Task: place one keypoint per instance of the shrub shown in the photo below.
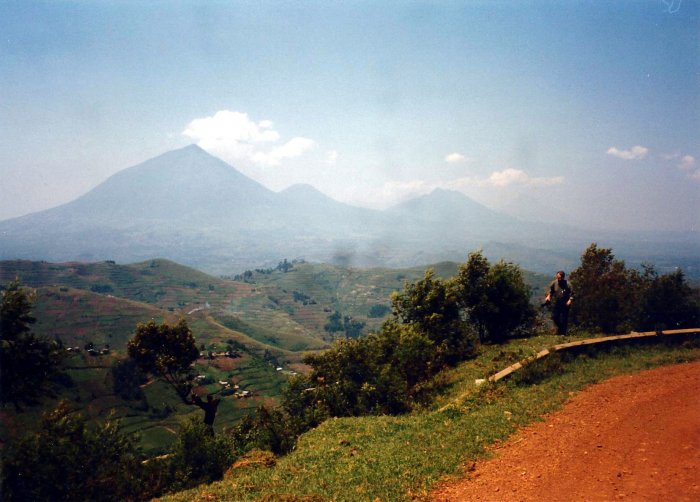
(610, 298)
(378, 310)
(69, 460)
(198, 457)
(127, 379)
(606, 293)
(495, 299)
(668, 303)
(430, 306)
(29, 364)
(267, 430)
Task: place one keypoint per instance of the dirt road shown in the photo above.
(634, 437)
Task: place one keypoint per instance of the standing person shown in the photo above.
(560, 296)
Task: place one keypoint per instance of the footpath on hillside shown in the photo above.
(633, 437)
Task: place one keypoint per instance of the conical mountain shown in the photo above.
(449, 216)
(183, 186)
(193, 208)
(447, 205)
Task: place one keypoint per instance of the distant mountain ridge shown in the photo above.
(191, 207)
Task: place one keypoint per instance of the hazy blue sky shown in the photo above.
(585, 112)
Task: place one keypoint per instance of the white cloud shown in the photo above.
(228, 126)
(397, 191)
(687, 163)
(512, 176)
(637, 152)
(234, 136)
(508, 177)
(455, 158)
(332, 157)
(295, 147)
(394, 192)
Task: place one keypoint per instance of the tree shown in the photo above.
(28, 363)
(16, 312)
(607, 295)
(668, 303)
(266, 429)
(334, 323)
(198, 457)
(430, 306)
(127, 379)
(495, 299)
(66, 459)
(511, 312)
(168, 352)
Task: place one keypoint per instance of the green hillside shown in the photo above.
(283, 311)
(276, 315)
(405, 457)
(308, 293)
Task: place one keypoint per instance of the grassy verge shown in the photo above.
(401, 458)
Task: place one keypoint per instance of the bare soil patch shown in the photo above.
(633, 437)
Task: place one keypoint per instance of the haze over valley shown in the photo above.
(191, 207)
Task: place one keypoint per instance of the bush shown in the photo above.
(610, 298)
(127, 379)
(607, 295)
(198, 457)
(495, 299)
(430, 306)
(267, 430)
(29, 364)
(378, 310)
(668, 303)
(69, 460)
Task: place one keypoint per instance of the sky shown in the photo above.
(579, 112)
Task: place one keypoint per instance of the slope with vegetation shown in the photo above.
(386, 415)
(404, 457)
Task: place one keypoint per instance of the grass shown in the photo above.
(402, 458)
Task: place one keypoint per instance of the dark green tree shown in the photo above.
(668, 302)
(430, 306)
(335, 323)
(67, 459)
(127, 379)
(495, 299)
(607, 294)
(16, 311)
(266, 429)
(198, 457)
(168, 352)
(28, 363)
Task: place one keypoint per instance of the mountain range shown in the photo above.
(191, 207)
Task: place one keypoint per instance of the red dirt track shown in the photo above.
(633, 437)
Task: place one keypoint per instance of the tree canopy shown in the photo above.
(612, 298)
(494, 298)
(70, 459)
(28, 362)
(167, 352)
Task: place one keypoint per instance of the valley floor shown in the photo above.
(633, 437)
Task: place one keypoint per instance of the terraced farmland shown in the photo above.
(272, 318)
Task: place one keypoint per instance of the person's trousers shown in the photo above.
(560, 316)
